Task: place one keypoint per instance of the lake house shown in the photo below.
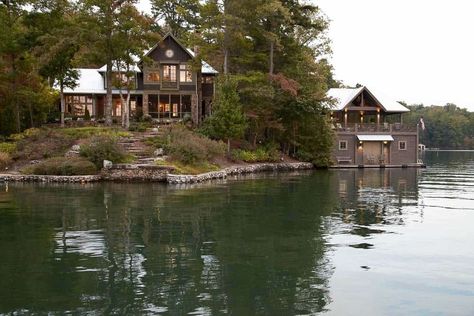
(165, 86)
(369, 130)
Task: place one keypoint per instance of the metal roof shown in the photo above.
(90, 81)
(375, 138)
(344, 96)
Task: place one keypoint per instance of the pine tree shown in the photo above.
(227, 120)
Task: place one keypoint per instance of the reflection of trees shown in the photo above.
(376, 196)
(251, 247)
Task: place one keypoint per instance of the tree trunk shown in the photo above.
(63, 105)
(272, 49)
(108, 104)
(228, 146)
(127, 111)
(226, 62)
(16, 105)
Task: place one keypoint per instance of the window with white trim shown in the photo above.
(185, 73)
(343, 145)
(402, 145)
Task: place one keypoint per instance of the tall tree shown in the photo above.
(180, 17)
(227, 120)
(24, 97)
(102, 17)
(133, 37)
(58, 43)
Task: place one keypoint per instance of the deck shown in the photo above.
(373, 128)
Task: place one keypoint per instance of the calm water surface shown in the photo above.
(347, 242)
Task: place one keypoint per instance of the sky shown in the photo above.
(417, 51)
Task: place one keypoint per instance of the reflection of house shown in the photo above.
(370, 130)
(165, 86)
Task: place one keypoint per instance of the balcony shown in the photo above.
(353, 128)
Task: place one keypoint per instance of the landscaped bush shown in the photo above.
(7, 148)
(4, 160)
(89, 131)
(41, 143)
(100, 148)
(188, 147)
(261, 154)
(62, 166)
(139, 127)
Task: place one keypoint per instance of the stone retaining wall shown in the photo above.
(151, 173)
(236, 170)
(57, 179)
(134, 173)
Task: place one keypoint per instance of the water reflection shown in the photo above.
(243, 247)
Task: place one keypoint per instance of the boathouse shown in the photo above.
(370, 131)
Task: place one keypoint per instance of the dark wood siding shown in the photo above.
(140, 81)
(158, 54)
(207, 89)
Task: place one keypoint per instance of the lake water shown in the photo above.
(341, 242)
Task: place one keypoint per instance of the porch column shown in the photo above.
(194, 109)
(345, 118)
(378, 116)
(145, 109)
(94, 105)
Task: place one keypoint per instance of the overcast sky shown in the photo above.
(418, 51)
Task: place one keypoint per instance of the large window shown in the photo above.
(185, 73)
(76, 105)
(120, 80)
(169, 73)
(153, 76)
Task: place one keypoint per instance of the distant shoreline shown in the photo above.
(458, 150)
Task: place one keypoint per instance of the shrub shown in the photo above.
(188, 147)
(85, 132)
(62, 166)
(40, 144)
(4, 160)
(261, 154)
(7, 148)
(100, 148)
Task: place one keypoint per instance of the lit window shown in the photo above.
(185, 73)
(343, 145)
(402, 145)
(207, 79)
(77, 105)
(175, 110)
(169, 73)
(153, 76)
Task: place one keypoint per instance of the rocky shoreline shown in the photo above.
(146, 173)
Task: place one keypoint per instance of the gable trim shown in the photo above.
(162, 40)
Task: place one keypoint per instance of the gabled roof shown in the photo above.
(344, 97)
(177, 42)
(90, 81)
(205, 68)
(114, 68)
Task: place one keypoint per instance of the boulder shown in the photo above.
(107, 164)
(159, 152)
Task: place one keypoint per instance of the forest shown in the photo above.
(271, 55)
(446, 127)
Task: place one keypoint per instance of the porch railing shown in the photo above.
(169, 116)
(374, 128)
